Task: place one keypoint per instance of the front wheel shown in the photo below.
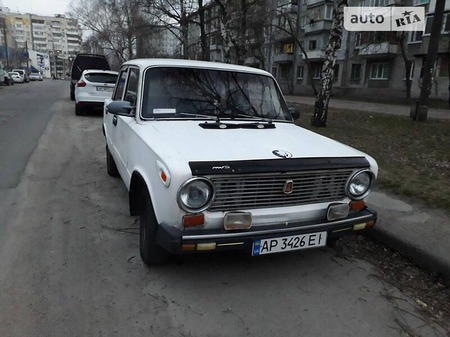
(151, 253)
(111, 167)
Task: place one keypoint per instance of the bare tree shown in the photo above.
(113, 23)
(290, 25)
(236, 19)
(319, 117)
(176, 16)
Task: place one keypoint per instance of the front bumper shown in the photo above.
(172, 239)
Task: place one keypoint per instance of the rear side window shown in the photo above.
(132, 87)
(101, 77)
(120, 86)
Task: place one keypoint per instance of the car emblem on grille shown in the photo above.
(282, 153)
(288, 187)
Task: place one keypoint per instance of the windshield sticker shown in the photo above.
(164, 111)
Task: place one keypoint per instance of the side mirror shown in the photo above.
(295, 113)
(121, 108)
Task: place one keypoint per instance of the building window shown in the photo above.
(411, 72)
(328, 12)
(379, 71)
(285, 69)
(288, 48)
(358, 40)
(336, 72)
(379, 3)
(312, 45)
(446, 23)
(420, 2)
(415, 36)
(300, 72)
(428, 24)
(444, 66)
(274, 72)
(356, 71)
(317, 71)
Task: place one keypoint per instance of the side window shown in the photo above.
(132, 87)
(120, 85)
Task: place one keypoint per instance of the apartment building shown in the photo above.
(56, 38)
(370, 64)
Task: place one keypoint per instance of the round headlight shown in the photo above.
(359, 184)
(195, 195)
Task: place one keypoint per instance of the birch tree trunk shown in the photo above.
(319, 118)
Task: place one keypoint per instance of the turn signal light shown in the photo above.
(357, 205)
(192, 220)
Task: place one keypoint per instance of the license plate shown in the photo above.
(105, 89)
(289, 243)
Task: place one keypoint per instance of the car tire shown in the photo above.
(151, 253)
(111, 167)
(78, 110)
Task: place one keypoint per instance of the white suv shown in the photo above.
(93, 88)
(213, 161)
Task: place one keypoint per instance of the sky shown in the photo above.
(39, 7)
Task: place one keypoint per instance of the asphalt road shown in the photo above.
(70, 266)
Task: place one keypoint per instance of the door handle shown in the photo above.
(115, 120)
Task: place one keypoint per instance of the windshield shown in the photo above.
(180, 92)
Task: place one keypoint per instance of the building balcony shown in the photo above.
(283, 58)
(315, 54)
(378, 49)
(312, 3)
(317, 26)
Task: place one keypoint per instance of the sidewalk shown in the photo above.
(413, 230)
(392, 109)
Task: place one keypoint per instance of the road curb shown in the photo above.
(420, 256)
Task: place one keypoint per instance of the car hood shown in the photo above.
(193, 143)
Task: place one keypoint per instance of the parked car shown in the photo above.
(35, 77)
(23, 74)
(213, 160)
(82, 62)
(93, 88)
(5, 79)
(16, 77)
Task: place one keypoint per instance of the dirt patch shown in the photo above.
(430, 291)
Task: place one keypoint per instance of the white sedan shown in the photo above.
(213, 160)
(93, 88)
(16, 77)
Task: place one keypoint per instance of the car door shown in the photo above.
(125, 125)
(110, 120)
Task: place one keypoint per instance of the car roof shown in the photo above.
(146, 63)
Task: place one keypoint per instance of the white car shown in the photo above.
(35, 77)
(93, 88)
(23, 74)
(16, 77)
(213, 161)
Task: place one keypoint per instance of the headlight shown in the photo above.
(359, 184)
(195, 195)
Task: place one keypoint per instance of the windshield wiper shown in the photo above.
(188, 114)
(259, 119)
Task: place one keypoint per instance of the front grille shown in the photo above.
(267, 190)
